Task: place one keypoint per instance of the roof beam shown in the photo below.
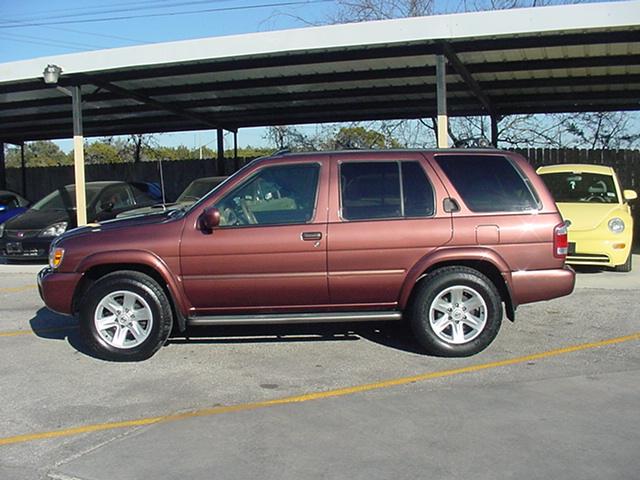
(632, 80)
(387, 108)
(122, 92)
(474, 86)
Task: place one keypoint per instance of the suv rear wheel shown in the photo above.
(125, 316)
(456, 312)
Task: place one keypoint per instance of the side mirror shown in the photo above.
(209, 219)
(630, 195)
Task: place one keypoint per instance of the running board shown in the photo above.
(288, 318)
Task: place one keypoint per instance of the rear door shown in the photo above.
(385, 215)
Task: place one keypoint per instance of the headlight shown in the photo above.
(54, 230)
(56, 255)
(616, 225)
(1, 229)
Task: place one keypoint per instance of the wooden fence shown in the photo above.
(179, 173)
(625, 162)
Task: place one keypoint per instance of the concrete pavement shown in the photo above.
(572, 414)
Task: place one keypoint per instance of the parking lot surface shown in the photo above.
(555, 396)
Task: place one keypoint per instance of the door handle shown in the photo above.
(311, 236)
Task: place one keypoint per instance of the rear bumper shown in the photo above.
(56, 289)
(536, 285)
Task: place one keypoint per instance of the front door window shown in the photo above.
(278, 195)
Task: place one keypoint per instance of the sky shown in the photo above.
(40, 28)
(37, 28)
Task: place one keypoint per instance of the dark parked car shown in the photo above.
(11, 205)
(29, 235)
(194, 191)
(445, 239)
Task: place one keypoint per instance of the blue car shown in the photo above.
(11, 205)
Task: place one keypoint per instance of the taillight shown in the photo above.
(561, 240)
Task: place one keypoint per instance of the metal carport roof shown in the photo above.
(536, 60)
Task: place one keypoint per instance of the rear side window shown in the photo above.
(488, 183)
(373, 190)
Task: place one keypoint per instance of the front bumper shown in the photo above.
(25, 249)
(586, 248)
(535, 285)
(57, 289)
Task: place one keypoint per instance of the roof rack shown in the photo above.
(284, 151)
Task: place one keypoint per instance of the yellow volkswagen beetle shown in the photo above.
(590, 197)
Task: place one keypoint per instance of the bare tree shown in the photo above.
(587, 130)
(285, 137)
(367, 10)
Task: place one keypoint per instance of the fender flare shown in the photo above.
(452, 255)
(149, 260)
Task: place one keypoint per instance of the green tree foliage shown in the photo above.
(41, 153)
(358, 137)
(334, 137)
(101, 152)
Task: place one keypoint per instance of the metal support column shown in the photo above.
(494, 130)
(235, 146)
(441, 93)
(23, 171)
(220, 153)
(3, 172)
(220, 144)
(78, 156)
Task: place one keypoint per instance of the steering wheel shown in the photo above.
(251, 218)
(229, 217)
(596, 198)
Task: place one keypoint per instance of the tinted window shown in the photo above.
(65, 198)
(371, 190)
(581, 187)
(8, 202)
(416, 191)
(488, 183)
(284, 194)
(142, 198)
(199, 188)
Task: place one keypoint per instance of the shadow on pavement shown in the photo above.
(48, 325)
(390, 334)
(51, 326)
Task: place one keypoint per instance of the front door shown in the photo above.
(269, 252)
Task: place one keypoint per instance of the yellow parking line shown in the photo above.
(311, 396)
(18, 333)
(17, 289)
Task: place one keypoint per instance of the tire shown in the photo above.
(626, 266)
(456, 312)
(125, 316)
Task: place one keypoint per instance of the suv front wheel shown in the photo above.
(125, 316)
(456, 312)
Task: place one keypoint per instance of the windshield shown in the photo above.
(198, 189)
(64, 198)
(570, 187)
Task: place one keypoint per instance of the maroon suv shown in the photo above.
(440, 238)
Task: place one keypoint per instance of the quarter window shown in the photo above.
(371, 190)
(278, 195)
(488, 183)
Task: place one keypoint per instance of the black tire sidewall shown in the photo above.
(139, 284)
(627, 266)
(430, 287)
